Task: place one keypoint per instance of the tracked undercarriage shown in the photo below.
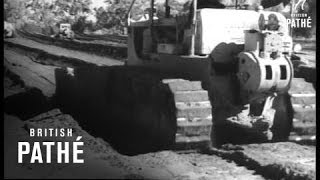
(193, 113)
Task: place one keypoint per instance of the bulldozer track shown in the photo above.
(193, 114)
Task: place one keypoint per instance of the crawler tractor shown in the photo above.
(195, 80)
(231, 71)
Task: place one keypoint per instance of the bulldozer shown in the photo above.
(232, 68)
(191, 81)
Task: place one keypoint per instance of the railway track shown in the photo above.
(91, 45)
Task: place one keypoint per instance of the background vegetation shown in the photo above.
(111, 18)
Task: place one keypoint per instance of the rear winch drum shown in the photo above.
(261, 75)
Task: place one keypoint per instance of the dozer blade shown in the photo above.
(193, 114)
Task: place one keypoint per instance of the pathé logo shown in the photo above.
(302, 2)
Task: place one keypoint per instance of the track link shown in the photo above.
(193, 114)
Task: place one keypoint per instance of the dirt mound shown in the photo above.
(56, 119)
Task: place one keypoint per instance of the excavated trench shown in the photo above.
(27, 104)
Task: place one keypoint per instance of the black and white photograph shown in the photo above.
(159, 89)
